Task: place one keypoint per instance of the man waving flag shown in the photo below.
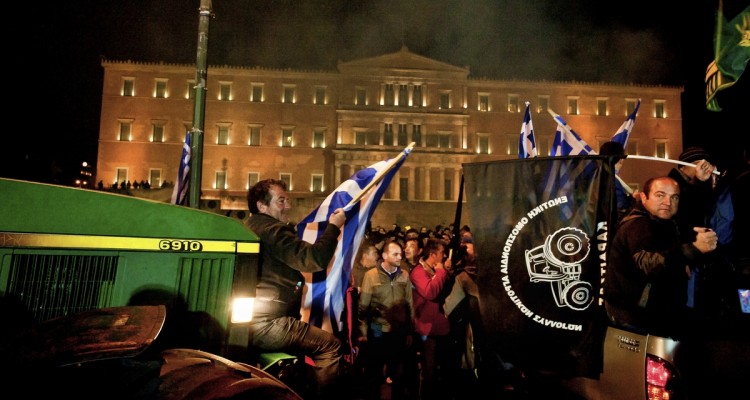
(324, 301)
(527, 142)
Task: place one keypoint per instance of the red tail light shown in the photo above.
(659, 375)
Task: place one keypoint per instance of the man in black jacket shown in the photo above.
(276, 324)
(649, 266)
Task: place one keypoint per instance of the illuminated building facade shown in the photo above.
(314, 129)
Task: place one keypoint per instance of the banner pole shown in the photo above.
(669, 161)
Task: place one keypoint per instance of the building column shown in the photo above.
(337, 175)
(441, 184)
(427, 184)
(456, 183)
(412, 185)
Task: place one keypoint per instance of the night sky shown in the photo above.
(58, 50)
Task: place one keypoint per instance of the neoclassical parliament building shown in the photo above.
(314, 129)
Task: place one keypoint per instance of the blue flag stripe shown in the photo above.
(179, 194)
(623, 133)
(327, 289)
(527, 142)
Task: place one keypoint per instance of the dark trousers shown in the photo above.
(440, 365)
(291, 335)
(385, 356)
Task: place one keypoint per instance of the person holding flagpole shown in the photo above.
(277, 324)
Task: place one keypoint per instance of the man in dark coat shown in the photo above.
(649, 266)
(276, 324)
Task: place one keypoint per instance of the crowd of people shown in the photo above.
(406, 283)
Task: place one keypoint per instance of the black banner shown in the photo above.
(541, 230)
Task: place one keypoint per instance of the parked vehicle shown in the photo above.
(541, 231)
(64, 250)
(111, 353)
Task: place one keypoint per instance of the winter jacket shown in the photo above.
(429, 320)
(646, 279)
(284, 257)
(385, 302)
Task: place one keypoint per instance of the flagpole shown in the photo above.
(624, 185)
(380, 176)
(669, 161)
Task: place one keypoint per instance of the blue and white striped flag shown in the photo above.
(567, 142)
(623, 134)
(324, 301)
(179, 194)
(527, 142)
(558, 179)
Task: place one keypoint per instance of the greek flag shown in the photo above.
(179, 195)
(324, 301)
(567, 142)
(623, 134)
(527, 143)
(559, 177)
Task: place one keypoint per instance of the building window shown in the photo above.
(126, 128)
(253, 137)
(448, 189)
(256, 93)
(632, 147)
(360, 96)
(403, 186)
(403, 95)
(288, 94)
(388, 134)
(154, 177)
(543, 104)
(416, 136)
(417, 96)
(319, 138)
(121, 175)
(160, 91)
(320, 95)
(601, 107)
(513, 103)
(388, 95)
(512, 144)
(660, 148)
(440, 140)
(252, 179)
(360, 137)
(573, 105)
(223, 135)
(659, 111)
(286, 178)
(445, 140)
(445, 100)
(157, 131)
(220, 180)
(225, 91)
(630, 106)
(316, 183)
(287, 137)
(128, 86)
(190, 90)
(483, 143)
(402, 130)
(484, 102)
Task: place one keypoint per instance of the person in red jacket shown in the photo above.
(430, 279)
